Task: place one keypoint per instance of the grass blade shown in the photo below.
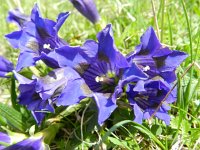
(12, 116)
(137, 126)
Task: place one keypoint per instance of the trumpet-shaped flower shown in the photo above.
(146, 96)
(154, 59)
(87, 8)
(105, 71)
(62, 86)
(37, 40)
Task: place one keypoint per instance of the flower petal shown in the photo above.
(5, 67)
(105, 106)
(61, 19)
(107, 50)
(28, 144)
(17, 17)
(13, 38)
(173, 60)
(26, 59)
(149, 41)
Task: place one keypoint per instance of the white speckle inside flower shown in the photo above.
(47, 46)
(146, 68)
(98, 79)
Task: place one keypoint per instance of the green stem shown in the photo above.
(155, 18)
(170, 30)
(189, 28)
(13, 94)
(162, 21)
(188, 89)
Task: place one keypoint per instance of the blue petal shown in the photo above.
(134, 74)
(105, 106)
(173, 60)
(5, 66)
(69, 56)
(35, 12)
(90, 48)
(61, 19)
(13, 38)
(139, 87)
(162, 52)
(149, 41)
(74, 56)
(138, 113)
(17, 17)
(4, 138)
(169, 76)
(107, 50)
(21, 79)
(28, 144)
(26, 59)
(50, 59)
(159, 114)
(74, 91)
(39, 109)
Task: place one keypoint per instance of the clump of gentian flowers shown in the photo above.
(96, 70)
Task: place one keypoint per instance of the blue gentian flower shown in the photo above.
(154, 59)
(105, 70)
(37, 40)
(5, 67)
(87, 8)
(145, 97)
(17, 17)
(31, 98)
(61, 86)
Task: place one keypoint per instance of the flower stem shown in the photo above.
(155, 18)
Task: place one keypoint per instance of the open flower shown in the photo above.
(5, 67)
(105, 71)
(154, 59)
(61, 86)
(31, 99)
(37, 40)
(17, 17)
(87, 8)
(146, 96)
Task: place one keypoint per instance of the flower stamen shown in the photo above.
(47, 46)
(146, 68)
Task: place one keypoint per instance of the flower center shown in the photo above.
(101, 77)
(104, 80)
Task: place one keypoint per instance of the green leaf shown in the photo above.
(141, 128)
(156, 129)
(118, 142)
(13, 94)
(12, 116)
